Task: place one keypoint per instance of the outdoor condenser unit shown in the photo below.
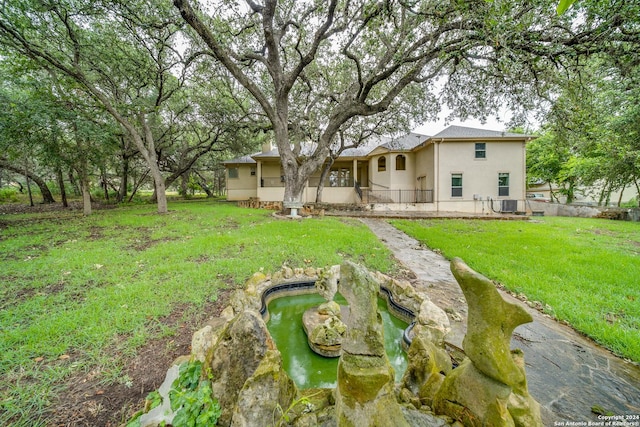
(509, 206)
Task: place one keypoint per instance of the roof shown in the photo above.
(405, 142)
(462, 132)
(243, 159)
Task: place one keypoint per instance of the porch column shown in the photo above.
(354, 173)
(258, 178)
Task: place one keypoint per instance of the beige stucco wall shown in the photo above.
(402, 179)
(379, 180)
(480, 176)
(244, 186)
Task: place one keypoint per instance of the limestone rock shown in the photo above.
(287, 272)
(327, 283)
(428, 365)
(469, 396)
(489, 387)
(251, 284)
(365, 335)
(325, 331)
(523, 408)
(490, 324)
(402, 291)
(205, 338)
(365, 394)
(268, 389)
(330, 308)
(241, 301)
(236, 356)
(435, 321)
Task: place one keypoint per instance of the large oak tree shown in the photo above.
(315, 66)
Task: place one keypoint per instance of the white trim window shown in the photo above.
(456, 185)
(503, 184)
(481, 150)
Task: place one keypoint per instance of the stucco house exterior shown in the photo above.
(460, 169)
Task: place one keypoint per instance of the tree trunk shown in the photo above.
(323, 176)
(47, 197)
(63, 191)
(86, 195)
(124, 179)
(621, 193)
(26, 173)
(105, 184)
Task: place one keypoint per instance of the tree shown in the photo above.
(592, 134)
(119, 54)
(315, 66)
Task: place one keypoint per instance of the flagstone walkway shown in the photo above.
(568, 374)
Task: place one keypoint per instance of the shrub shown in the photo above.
(8, 195)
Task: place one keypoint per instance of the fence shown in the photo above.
(397, 196)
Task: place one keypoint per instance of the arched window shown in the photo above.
(382, 164)
(401, 162)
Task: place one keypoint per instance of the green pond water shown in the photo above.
(308, 369)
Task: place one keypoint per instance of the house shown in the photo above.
(460, 169)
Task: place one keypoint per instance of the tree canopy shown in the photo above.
(315, 66)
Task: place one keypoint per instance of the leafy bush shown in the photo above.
(192, 398)
(8, 195)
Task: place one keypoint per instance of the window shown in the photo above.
(481, 150)
(382, 164)
(233, 172)
(401, 162)
(503, 184)
(456, 185)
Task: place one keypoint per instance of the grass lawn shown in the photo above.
(85, 294)
(587, 271)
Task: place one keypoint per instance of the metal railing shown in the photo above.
(396, 196)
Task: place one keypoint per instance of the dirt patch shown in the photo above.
(86, 402)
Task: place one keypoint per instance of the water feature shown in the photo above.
(308, 369)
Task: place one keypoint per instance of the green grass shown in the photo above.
(586, 270)
(81, 294)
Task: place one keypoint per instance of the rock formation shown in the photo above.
(365, 393)
(488, 388)
(245, 348)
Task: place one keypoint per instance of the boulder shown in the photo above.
(490, 324)
(489, 387)
(265, 395)
(242, 346)
(473, 398)
(428, 365)
(206, 337)
(433, 322)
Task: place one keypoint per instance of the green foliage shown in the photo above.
(285, 415)
(8, 195)
(584, 271)
(192, 398)
(563, 5)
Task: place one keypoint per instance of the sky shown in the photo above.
(492, 123)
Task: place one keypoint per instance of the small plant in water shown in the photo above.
(192, 398)
(285, 416)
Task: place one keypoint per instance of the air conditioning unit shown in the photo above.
(509, 206)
